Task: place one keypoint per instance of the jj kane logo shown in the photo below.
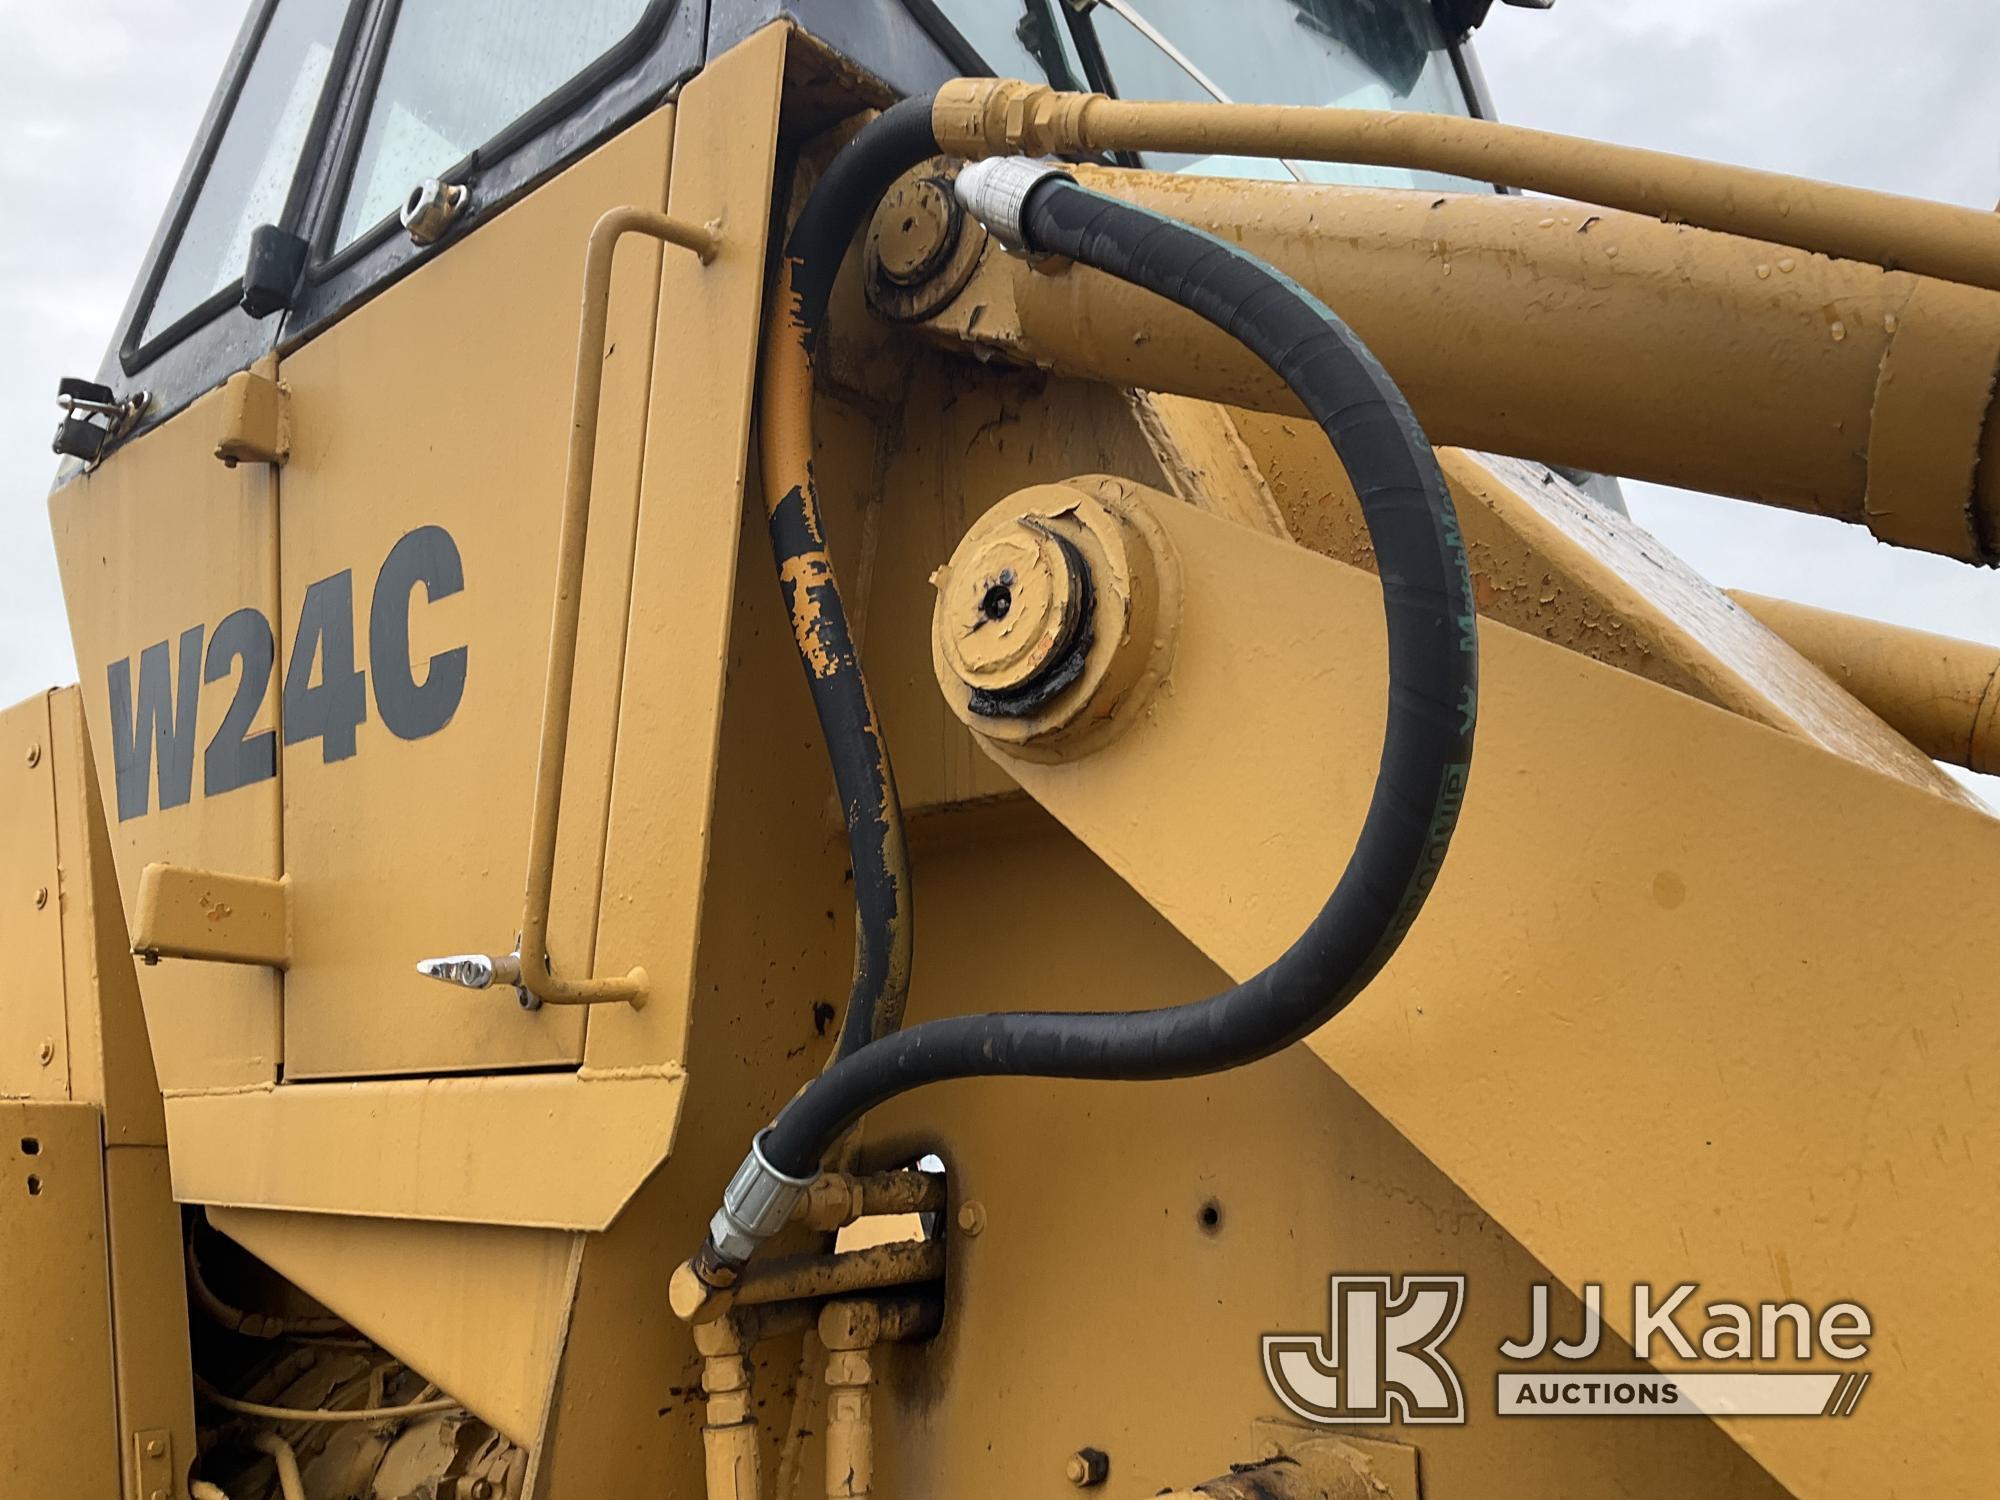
(1382, 1358)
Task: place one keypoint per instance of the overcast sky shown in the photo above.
(99, 102)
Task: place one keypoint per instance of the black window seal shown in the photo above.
(134, 355)
(960, 53)
(329, 260)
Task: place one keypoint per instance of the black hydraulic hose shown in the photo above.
(856, 179)
(1426, 750)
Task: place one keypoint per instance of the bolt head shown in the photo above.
(1088, 1467)
(972, 1216)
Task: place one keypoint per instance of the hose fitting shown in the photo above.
(995, 192)
(759, 1201)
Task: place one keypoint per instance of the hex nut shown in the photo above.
(1088, 1467)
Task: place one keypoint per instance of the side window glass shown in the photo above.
(456, 74)
(250, 175)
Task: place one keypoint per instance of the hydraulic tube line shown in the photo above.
(891, 144)
(1425, 756)
(527, 969)
(977, 117)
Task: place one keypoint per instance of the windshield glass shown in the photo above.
(1354, 54)
(457, 73)
(251, 172)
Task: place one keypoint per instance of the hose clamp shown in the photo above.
(758, 1202)
(995, 192)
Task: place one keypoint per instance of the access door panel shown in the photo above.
(420, 516)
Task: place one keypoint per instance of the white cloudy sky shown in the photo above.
(98, 103)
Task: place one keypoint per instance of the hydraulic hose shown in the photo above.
(1426, 751)
(855, 181)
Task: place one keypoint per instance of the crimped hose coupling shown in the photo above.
(995, 192)
(758, 1202)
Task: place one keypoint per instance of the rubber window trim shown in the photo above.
(134, 355)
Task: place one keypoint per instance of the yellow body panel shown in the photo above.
(60, 1435)
(425, 409)
(698, 432)
(189, 543)
(34, 1062)
(95, 1390)
(1678, 1040)
(481, 1309)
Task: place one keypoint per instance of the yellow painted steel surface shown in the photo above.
(427, 409)
(59, 1432)
(163, 543)
(1096, 1305)
(202, 914)
(1943, 693)
(684, 568)
(1664, 1023)
(481, 1309)
(1546, 559)
(34, 1052)
(558, 1150)
(1503, 319)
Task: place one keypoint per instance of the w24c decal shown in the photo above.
(161, 723)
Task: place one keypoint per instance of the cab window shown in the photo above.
(456, 74)
(1353, 54)
(249, 178)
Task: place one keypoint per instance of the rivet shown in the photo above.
(155, 1448)
(156, 1495)
(41, 897)
(46, 1052)
(972, 1216)
(34, 755)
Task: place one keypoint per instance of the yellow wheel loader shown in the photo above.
(907, 748)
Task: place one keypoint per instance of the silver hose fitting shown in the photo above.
(995, 190)
(758, 1202)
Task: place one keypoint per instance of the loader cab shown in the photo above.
(318, 658)
(332, 113)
